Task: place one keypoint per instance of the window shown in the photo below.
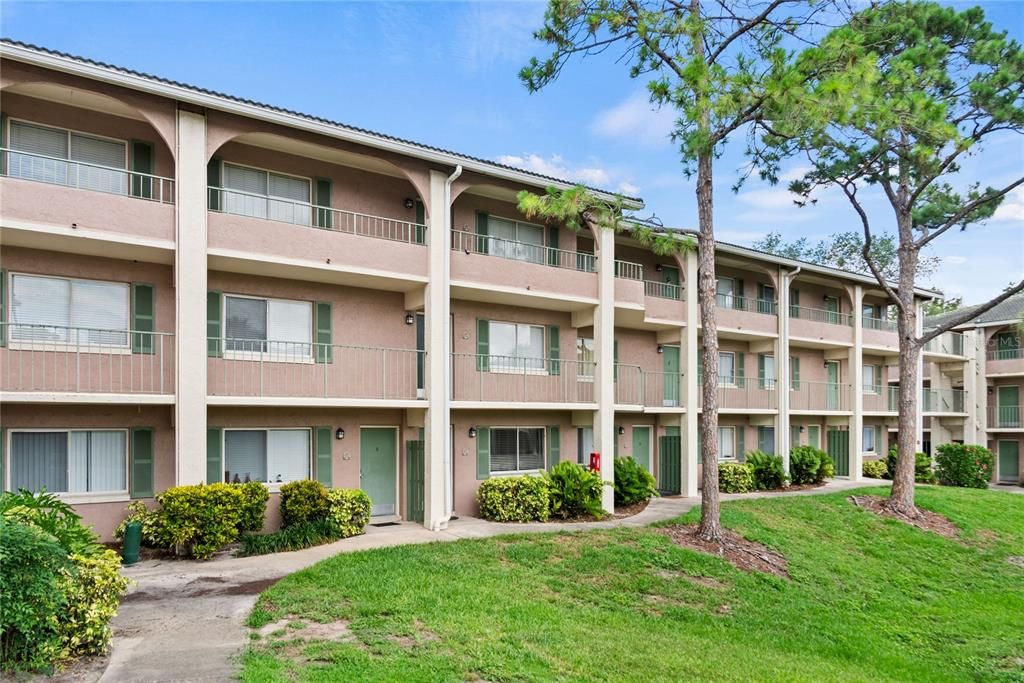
(584, 444)
(263, 194)
(766, 440)
(727, 369)
(725, 289)
(768, 372)
(515, 240)
(67, 311)
(101, 161)
(766, 299)
(872, 376)
(585, 356)
(726, 443)
(282, 328)
(266, 455)
(516, 347)
(869, 439)
(517, 449)
(80, 461)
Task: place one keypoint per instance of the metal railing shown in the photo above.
(884, 324)
(85, 176)
(881, 399)
(627, 270)
(53, 358)
(951, 343)
(744, 303)
(820, 315)
(825, 396)
(663, 389)
(481, 377)
(740, 393)
(1005, 354)
(1006, 417)
(240, 203)
(943, 400)
(663, 290)
(629, 383)
(472, 243)
(259, 368)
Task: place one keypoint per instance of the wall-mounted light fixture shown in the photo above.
(657, 267)
(622, 430)
(801, 429)
(339, 433)
(661, 349)
(409, 203)
(472, 432)
(409, 318)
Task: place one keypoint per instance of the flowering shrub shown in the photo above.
(960, 464)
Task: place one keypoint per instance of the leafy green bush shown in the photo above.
(767, 470)
(827, 468)
(575, 491)
(92, 586)
(809, 465)
(50, 514)
(200, 520)
(31, 562)
(735, 477)
(138, 512)
(958, 464)
(514, 499)
(348, 510)
(303, 501)
(875, 469)
(295, 537)
(923, 473)
(254, 505)
(633, 483)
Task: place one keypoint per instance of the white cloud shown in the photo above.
(768, 200)
(490, 33)
(954, 260)
(590, 172)
(1012, 208)
(635, 119)
(626, 187)
(794, 173)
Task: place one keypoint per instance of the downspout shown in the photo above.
(446, 313)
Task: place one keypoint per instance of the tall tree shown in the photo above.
(896, 100)
(714, 63)
(943, 305)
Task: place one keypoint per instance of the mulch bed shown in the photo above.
(926, 520)
(740, 552)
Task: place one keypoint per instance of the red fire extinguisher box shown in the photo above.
(595, 462)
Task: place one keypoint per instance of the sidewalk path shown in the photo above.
(185, 620)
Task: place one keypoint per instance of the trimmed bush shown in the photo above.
(767, 470)
(198, 520)
(303, 501)
(809, 465)
(254, 505)
(348, 510)
(735, 477)
(92, 586)
(514, 499)
(875, 469)
(295, 537)
(50, 514)
(958, 464)
(633, 483)
(923, 473)
(574, 491)
(827, 469)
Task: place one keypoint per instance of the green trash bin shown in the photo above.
(132, 541)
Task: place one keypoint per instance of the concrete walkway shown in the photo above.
(185, 620)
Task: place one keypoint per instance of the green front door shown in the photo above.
(378, 468)
(1009, 461)
(832, 306)
(1008, 407)
(670, 462)
(642, 446)
(838, 447)
(670, 365)
(832, 386)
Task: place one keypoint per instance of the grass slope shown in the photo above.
(869, 600)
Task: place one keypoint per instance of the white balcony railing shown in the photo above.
(884, 324)
(51, 358)
(1006, 417)
(663, 389)
(513, 379)
(1005, 354)
(240, 203)
(85, 176)
(629, 382)
(663, 290)
(949, 343)
(820, 315)
(881, 399)
(744, 303)
(823, 396)
(943, 400)
(738, 393)
(472, 243)
(259, 368)
(627, 270)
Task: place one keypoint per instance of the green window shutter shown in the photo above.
(794, 372)
(554, 351)
(324, 217)
(483, 344)
(421, 222)
(741, 449)
(615, 360)
(324, 455)
(483, 452)
(814, 436)
(3, 155)
(3, 460)
(880, 447)
(143, 318)
(141, 470)
(762, 440)
(794, 436)
(142, 162)
(760, 371)
(554, 446)
(553, 245)
(741, 370)
(700, 445)
(213, 333)
(3, 308)
(741, 300)
(213, 171)
(214, 456)
(794, 303)
(481, 231)
(324, 326)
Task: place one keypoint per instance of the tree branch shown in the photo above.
(970, 313)
(744, 28)
(965, 210)
(850, 190)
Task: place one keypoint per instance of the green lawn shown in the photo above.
(869, 599)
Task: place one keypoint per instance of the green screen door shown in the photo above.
(378, 469)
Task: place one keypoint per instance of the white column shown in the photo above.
(190, 299)
(919, 424)
(437, 320)
(690, 352)
(604, 345)
(857, 388)
(782, 440)
(975, 389)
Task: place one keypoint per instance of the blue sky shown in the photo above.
(445, 74)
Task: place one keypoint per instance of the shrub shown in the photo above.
(514, 499)
(348, 510)
(31, 561)
(254, 505)
(923, 473)
(767, 470)
(960, 464)
(574, 491)
(809, 465)
(295, 537)
(50, 514)
(735, 477)
(303, 501)
(875, 469)
(633, 483)
(827, 469)
(138, 512)
(199, 519)
(92, 586)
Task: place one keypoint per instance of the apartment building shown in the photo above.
(198, 288)
(972, 386)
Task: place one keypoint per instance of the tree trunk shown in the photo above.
(902, 497)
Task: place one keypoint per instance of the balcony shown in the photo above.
(247, 371)
(1005, 361)
(42, 189)
(943, 401)
(946, 344)
(881, 399)
(629, 284)
(739, 395)
(522, 382)
(663, 390)
(46, 363)
(821, 325)
(664, 301)
(879, 332)
(759, 316)
(663, 290)
(629, 383)
(819, 397)
(1006, 417)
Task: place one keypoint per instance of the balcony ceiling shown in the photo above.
(308, 150)
(73, 97)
